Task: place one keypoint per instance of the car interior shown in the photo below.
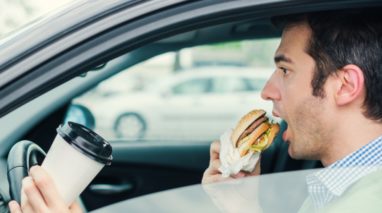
(140, 168)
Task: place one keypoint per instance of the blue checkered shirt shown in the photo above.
(330, 183)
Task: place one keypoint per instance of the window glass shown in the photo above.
(229, 85)
(193, 86)
(255, 84)
(194, 94)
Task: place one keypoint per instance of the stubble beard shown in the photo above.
(309, 130)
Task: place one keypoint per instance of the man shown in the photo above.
(326, 87)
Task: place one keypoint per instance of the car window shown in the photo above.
(177, 96)
(193, 86)
(255, 84)
(229, 85)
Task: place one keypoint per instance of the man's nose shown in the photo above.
(270, 91)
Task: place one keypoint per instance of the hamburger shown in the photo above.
(254, 132)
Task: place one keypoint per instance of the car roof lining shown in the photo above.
(248, 29)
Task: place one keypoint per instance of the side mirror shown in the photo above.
(80, 114)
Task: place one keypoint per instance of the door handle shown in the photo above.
(108, 189)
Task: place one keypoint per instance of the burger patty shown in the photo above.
(252, 127)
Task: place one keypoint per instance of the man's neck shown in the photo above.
(350, 139)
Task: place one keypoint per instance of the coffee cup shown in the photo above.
(76, 156)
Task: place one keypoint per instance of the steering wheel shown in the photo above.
(21, 158)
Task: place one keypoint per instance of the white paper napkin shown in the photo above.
(231, 162)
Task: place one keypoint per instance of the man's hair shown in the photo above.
(339, 38)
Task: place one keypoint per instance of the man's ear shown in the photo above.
(350, 84)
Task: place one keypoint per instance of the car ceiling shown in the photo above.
(248, 29)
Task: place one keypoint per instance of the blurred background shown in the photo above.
(193, 94)
(16, 13)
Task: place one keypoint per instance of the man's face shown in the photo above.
(291, 92)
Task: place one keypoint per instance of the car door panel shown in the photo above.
(138, 168)
(146, 167)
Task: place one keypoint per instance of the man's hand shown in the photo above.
(212, 173)
(39, 194)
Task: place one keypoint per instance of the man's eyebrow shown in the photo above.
(281, 57)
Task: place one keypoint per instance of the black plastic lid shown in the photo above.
(87, 142)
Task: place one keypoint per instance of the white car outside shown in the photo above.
(195, 104)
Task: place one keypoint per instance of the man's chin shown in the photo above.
(301, 156)
(293, 154)
(290, 151)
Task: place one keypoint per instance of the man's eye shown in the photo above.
(284, 70)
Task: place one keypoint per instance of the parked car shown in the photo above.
(180, 106)
(43, 67)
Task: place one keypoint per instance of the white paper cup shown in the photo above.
(76, 156)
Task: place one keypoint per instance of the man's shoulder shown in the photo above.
(362, 196)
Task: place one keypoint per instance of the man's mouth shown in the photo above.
(285, 135)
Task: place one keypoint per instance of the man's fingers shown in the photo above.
(214, 150)
(206, 175)
(46, 186)
(214, 179)
(212, 173)
(14, 207)
(215, 165)
(255, 172)
(213, 168)
(219, 178)
(239, 175)
(33, 195)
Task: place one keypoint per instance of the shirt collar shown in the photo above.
(340, 175)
